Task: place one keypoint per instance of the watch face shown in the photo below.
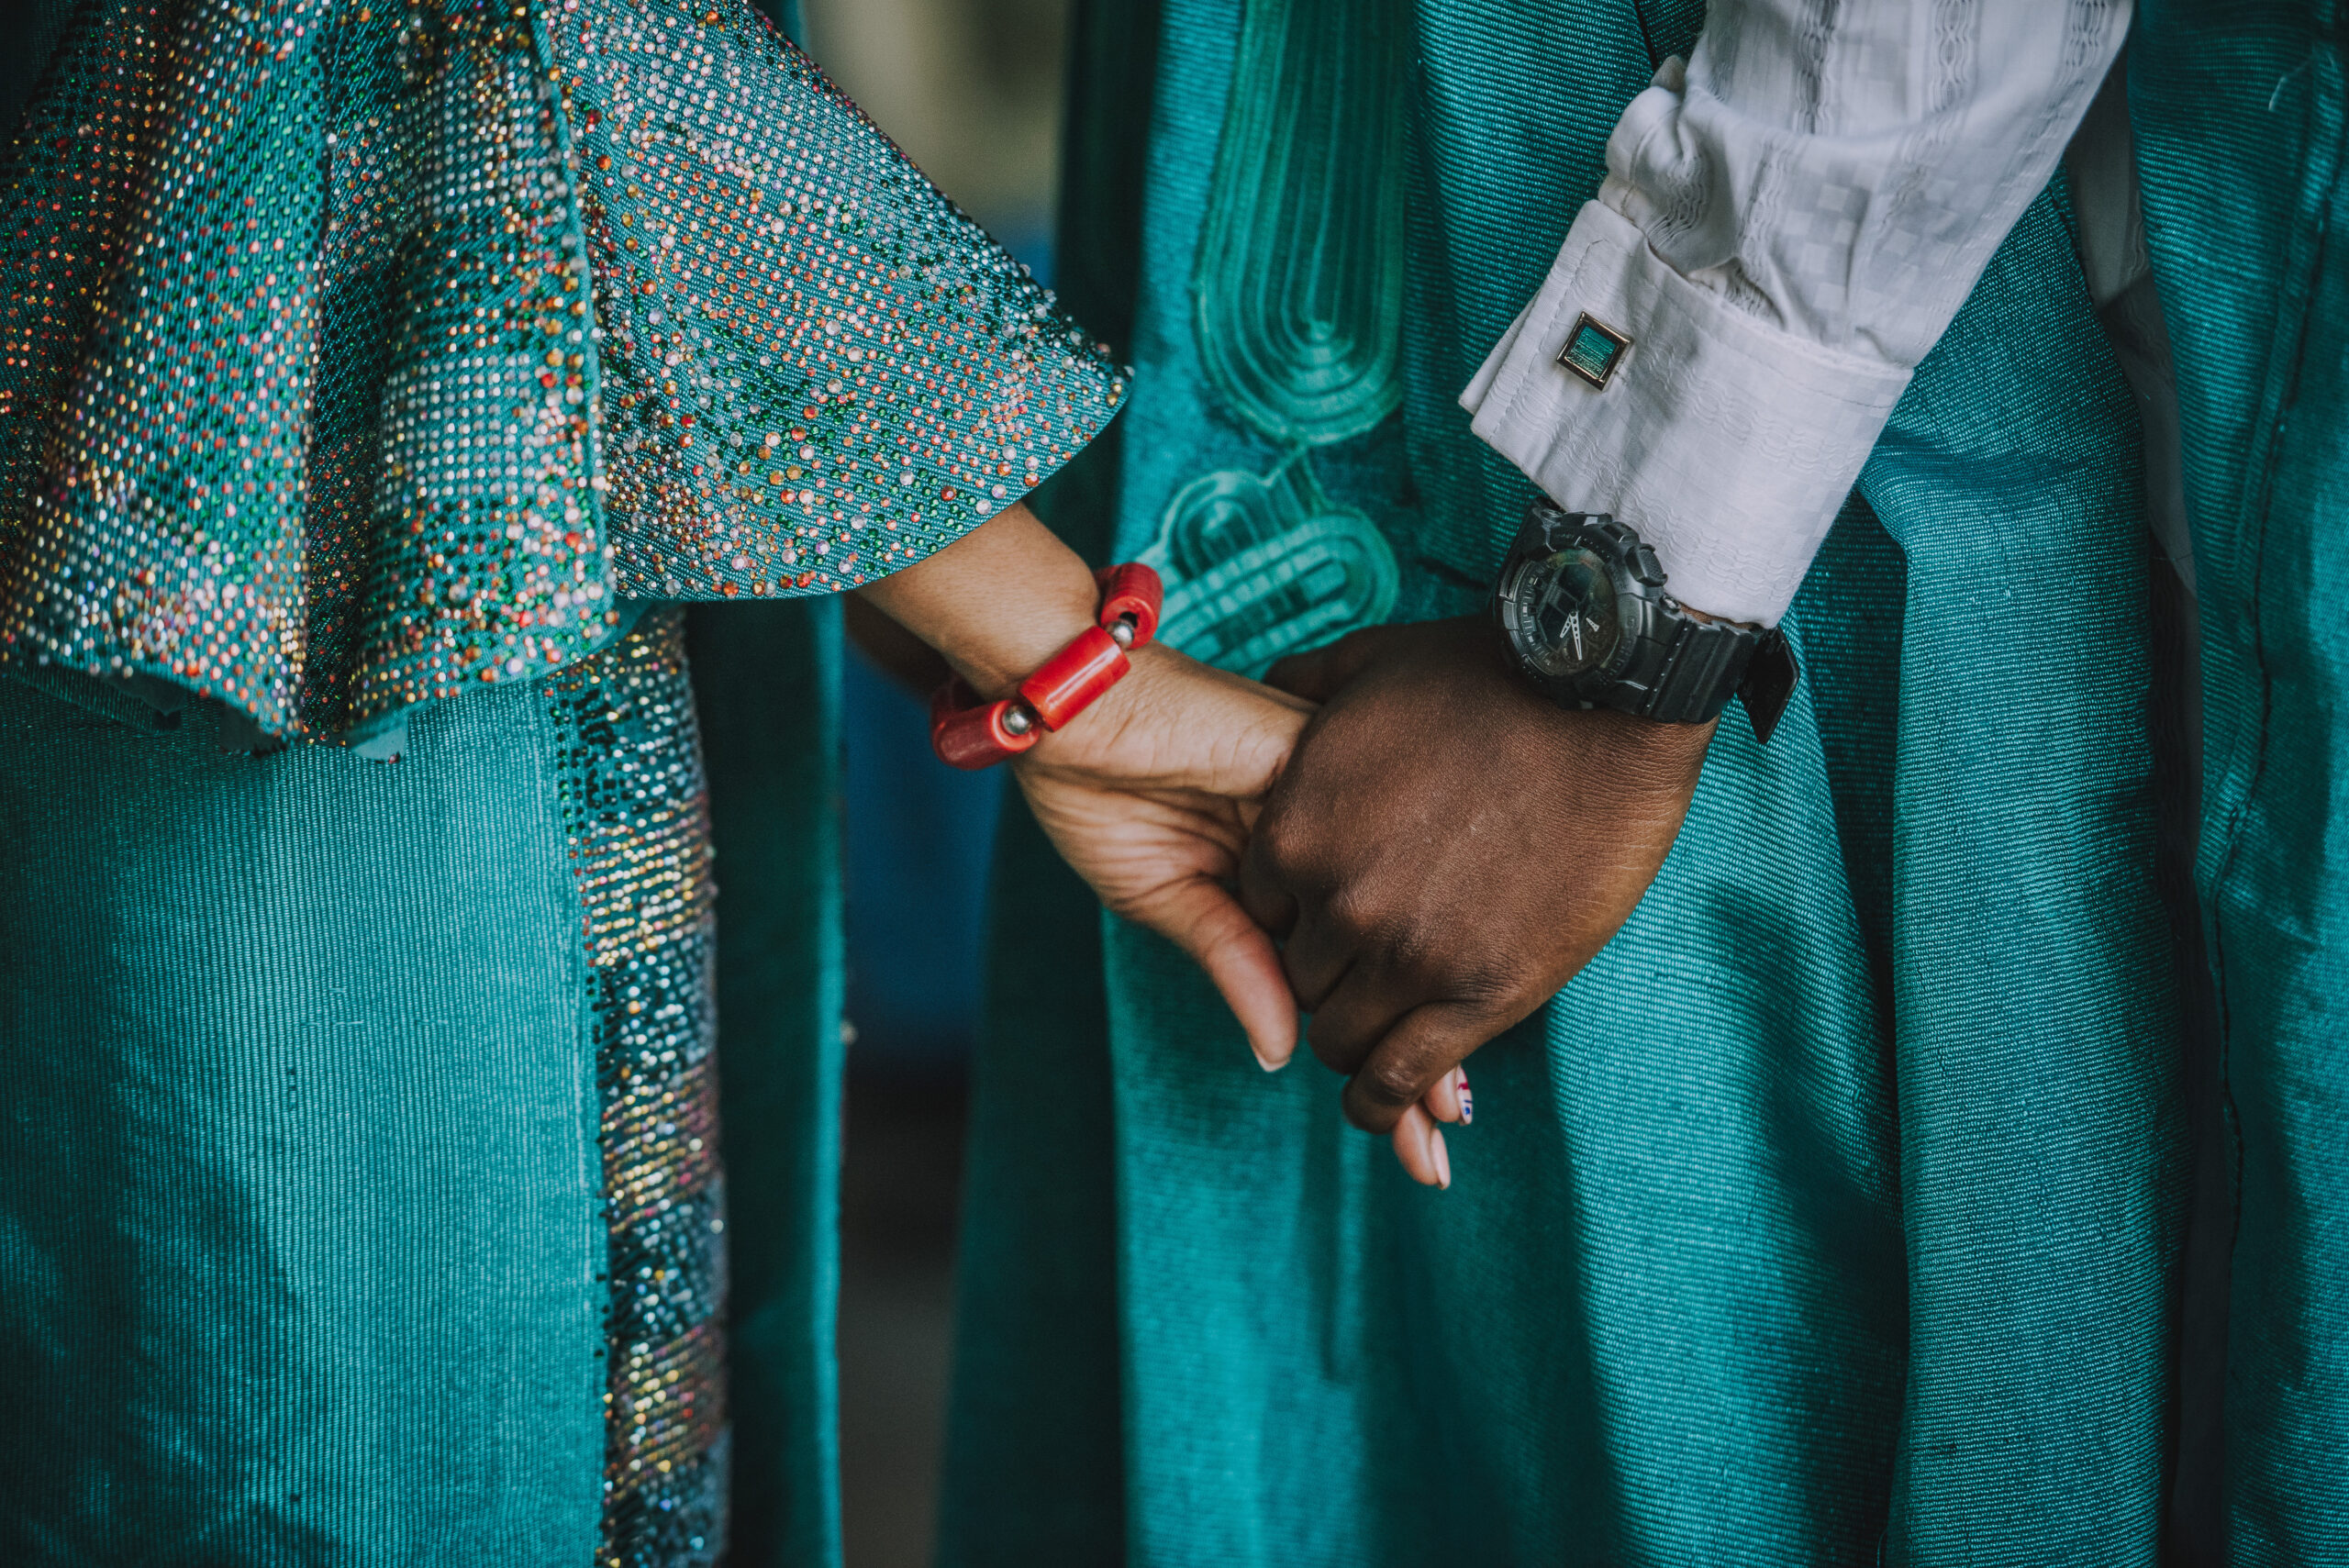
(1566, 604)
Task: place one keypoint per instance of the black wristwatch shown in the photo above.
(1581, 606)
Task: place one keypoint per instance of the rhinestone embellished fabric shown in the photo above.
(635, 813)
(357, 352)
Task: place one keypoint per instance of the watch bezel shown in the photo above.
(1636, 605)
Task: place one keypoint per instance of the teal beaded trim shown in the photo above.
(635, 813)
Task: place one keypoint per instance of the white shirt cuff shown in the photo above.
(1729, 443)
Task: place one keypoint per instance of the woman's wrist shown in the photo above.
(1023, 611)
(997, 603)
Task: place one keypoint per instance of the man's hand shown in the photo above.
(1446, 848)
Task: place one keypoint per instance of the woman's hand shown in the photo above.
(1151, 794)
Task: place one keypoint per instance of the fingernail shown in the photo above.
(1266, 1062)
(1467, 1106)
(1443, 1158)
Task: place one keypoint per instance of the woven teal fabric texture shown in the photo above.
(2241, 118)
(322, 1210)
(300, 1185)
(1831, 1216)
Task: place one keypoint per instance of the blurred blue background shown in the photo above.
(971, 89)
(920, 836)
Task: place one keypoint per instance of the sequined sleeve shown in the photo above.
(356, 353)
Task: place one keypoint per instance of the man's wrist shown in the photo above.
(1733, 440)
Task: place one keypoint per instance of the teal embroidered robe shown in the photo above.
(1834, 1214)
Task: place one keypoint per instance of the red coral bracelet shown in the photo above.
(968, 733)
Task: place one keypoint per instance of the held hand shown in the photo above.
(1151, 794)
(1445, 851)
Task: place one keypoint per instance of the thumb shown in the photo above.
(1203, 920)
(1317, 673)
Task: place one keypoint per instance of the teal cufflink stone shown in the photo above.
(1593, 350)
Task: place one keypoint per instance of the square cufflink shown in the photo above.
(1593, 350)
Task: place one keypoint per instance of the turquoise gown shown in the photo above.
(377, 383)
(1844, 1209)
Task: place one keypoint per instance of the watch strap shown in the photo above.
(1769, 683)
(1702, 665)
(1706, 662)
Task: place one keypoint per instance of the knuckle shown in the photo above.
(1285, 840)
(1357, 911)
(1388, 1082)
(1489, 984)
(1423, 955)
(1340, 1056)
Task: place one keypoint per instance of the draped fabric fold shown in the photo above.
(2241, 115)
(355, 355)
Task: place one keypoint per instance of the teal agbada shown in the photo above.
(2240, 112)
(1837, 1214)
(374, 380)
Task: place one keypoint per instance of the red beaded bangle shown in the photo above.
(968, 733)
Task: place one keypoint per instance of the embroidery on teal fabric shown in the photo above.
(1299, 294)
(360, 356)
(1257, 567)
(1300, 271)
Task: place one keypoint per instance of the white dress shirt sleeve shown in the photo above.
(1787, 225)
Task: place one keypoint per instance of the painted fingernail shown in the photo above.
(1443, 1158)
(1467, 1106)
